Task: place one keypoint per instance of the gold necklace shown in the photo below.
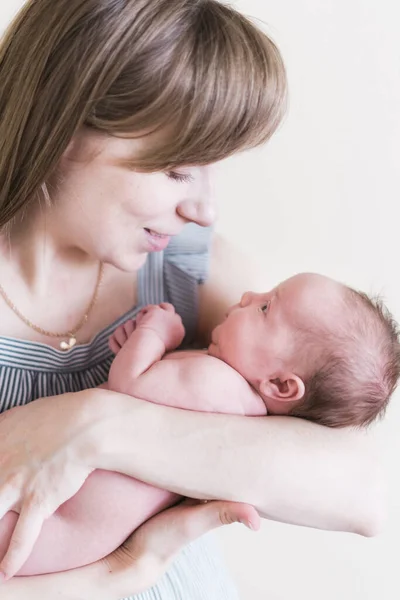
(71, 334)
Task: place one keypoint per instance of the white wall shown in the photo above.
(323, 196)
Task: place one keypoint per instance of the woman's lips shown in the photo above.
(156, 241)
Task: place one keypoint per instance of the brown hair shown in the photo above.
(196, 68)
(358, 366)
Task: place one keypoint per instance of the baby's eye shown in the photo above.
(264, 308)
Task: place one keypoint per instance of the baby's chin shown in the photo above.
(213, 350)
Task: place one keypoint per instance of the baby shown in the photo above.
(311, 347)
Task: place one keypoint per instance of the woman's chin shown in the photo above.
(130, 263)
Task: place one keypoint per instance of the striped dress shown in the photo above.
(31, 370)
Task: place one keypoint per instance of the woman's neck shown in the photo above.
(37, 248)
(49, 277)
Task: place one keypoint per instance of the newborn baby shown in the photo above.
(311, 347)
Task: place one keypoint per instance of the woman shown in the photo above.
(112, 113)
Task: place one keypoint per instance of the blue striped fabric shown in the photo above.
(29, 370)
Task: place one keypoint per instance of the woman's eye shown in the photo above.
(180, 177)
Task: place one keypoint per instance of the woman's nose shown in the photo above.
(197, 211)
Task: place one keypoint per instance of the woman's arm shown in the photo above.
(349, 498)
(291, 470)
(81, 584)
(140, 561)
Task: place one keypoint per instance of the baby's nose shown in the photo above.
(231, 309)
(246, 299)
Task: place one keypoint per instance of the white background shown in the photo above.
(323, 196)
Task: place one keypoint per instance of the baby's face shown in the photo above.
(257, 337)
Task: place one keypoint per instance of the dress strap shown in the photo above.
(151, 287)
(186, 265)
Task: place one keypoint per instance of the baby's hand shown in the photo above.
(163, 319)
(121, 334)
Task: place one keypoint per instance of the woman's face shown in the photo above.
(118, 215)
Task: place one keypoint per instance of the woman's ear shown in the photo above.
(285, 388)
(83, 146)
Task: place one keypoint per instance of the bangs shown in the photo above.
(196, 77)
(216, 87)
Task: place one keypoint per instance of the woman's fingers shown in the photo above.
(9, 495)
(187, 522)
(146, 555)
(49, 485)
(26, 532)
(42, 465)
(163, 536)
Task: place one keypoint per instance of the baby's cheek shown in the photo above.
(233, 351)
(245, 356)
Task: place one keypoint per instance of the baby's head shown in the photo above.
(315, 349)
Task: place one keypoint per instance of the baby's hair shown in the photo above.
(357, 366)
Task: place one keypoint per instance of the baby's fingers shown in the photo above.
(118, 339)
(113, 345)
(120, 336)
(167, 307)
(146, 310)
(129, 327)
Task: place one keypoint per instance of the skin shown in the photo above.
(84, 529)
(142, 560)
(100, 210)
(249, 369)
(258, 336)
(53, 254)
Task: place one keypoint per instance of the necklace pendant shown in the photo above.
(68, 345)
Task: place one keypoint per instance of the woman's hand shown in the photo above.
(140, 562)
(148, 553)
(40, 466)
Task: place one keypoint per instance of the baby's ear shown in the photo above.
(285, 388)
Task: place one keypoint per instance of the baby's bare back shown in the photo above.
(110, 506)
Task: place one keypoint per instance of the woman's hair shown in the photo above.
(196, 69)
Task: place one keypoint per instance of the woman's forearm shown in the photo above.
(81, 584)
(291, 470)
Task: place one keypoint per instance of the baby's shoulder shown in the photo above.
(199, 363)
(223, 388)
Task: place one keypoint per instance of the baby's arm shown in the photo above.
(156, 330)
(110, 505)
